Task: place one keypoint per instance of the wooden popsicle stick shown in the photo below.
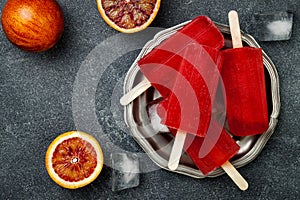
(176, 150)
(236, 43)
(135, 92)
(235, 175)
(235, 29)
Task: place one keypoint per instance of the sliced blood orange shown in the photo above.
(128, 16)
(74, 159)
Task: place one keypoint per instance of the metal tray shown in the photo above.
(158, 144)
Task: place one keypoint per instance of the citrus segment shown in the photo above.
(128, 16)
(74, 159)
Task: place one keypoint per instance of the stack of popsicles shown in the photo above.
(185, 69)
(188, 64)
(179, 78)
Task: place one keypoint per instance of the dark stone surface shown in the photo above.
(36, 106)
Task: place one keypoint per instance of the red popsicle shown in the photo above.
(244, 82)
(218, 148)
(214, 151)
(192, 78)
(200, 30)
(203, 76)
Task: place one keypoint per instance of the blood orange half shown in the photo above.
(74, 159)
(128, 16)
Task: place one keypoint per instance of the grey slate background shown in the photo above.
(36, 106)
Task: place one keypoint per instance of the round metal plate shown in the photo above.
(158, 143)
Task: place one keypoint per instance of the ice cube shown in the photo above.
(273, 26)
(125, 171)
(155, 120)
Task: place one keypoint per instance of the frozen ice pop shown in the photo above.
(200, 30)
(203, 76)
(192, 79)
(219, 147)
(213, 151)
(191, 95)
(244, 83)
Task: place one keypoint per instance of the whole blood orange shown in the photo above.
(74, 159)
(33, 25)
(128, 16)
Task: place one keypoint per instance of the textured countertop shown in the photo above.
(39, 100)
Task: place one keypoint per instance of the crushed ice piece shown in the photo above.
(280, 27)
(273, 26)
(155, 120)
(126, 170)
